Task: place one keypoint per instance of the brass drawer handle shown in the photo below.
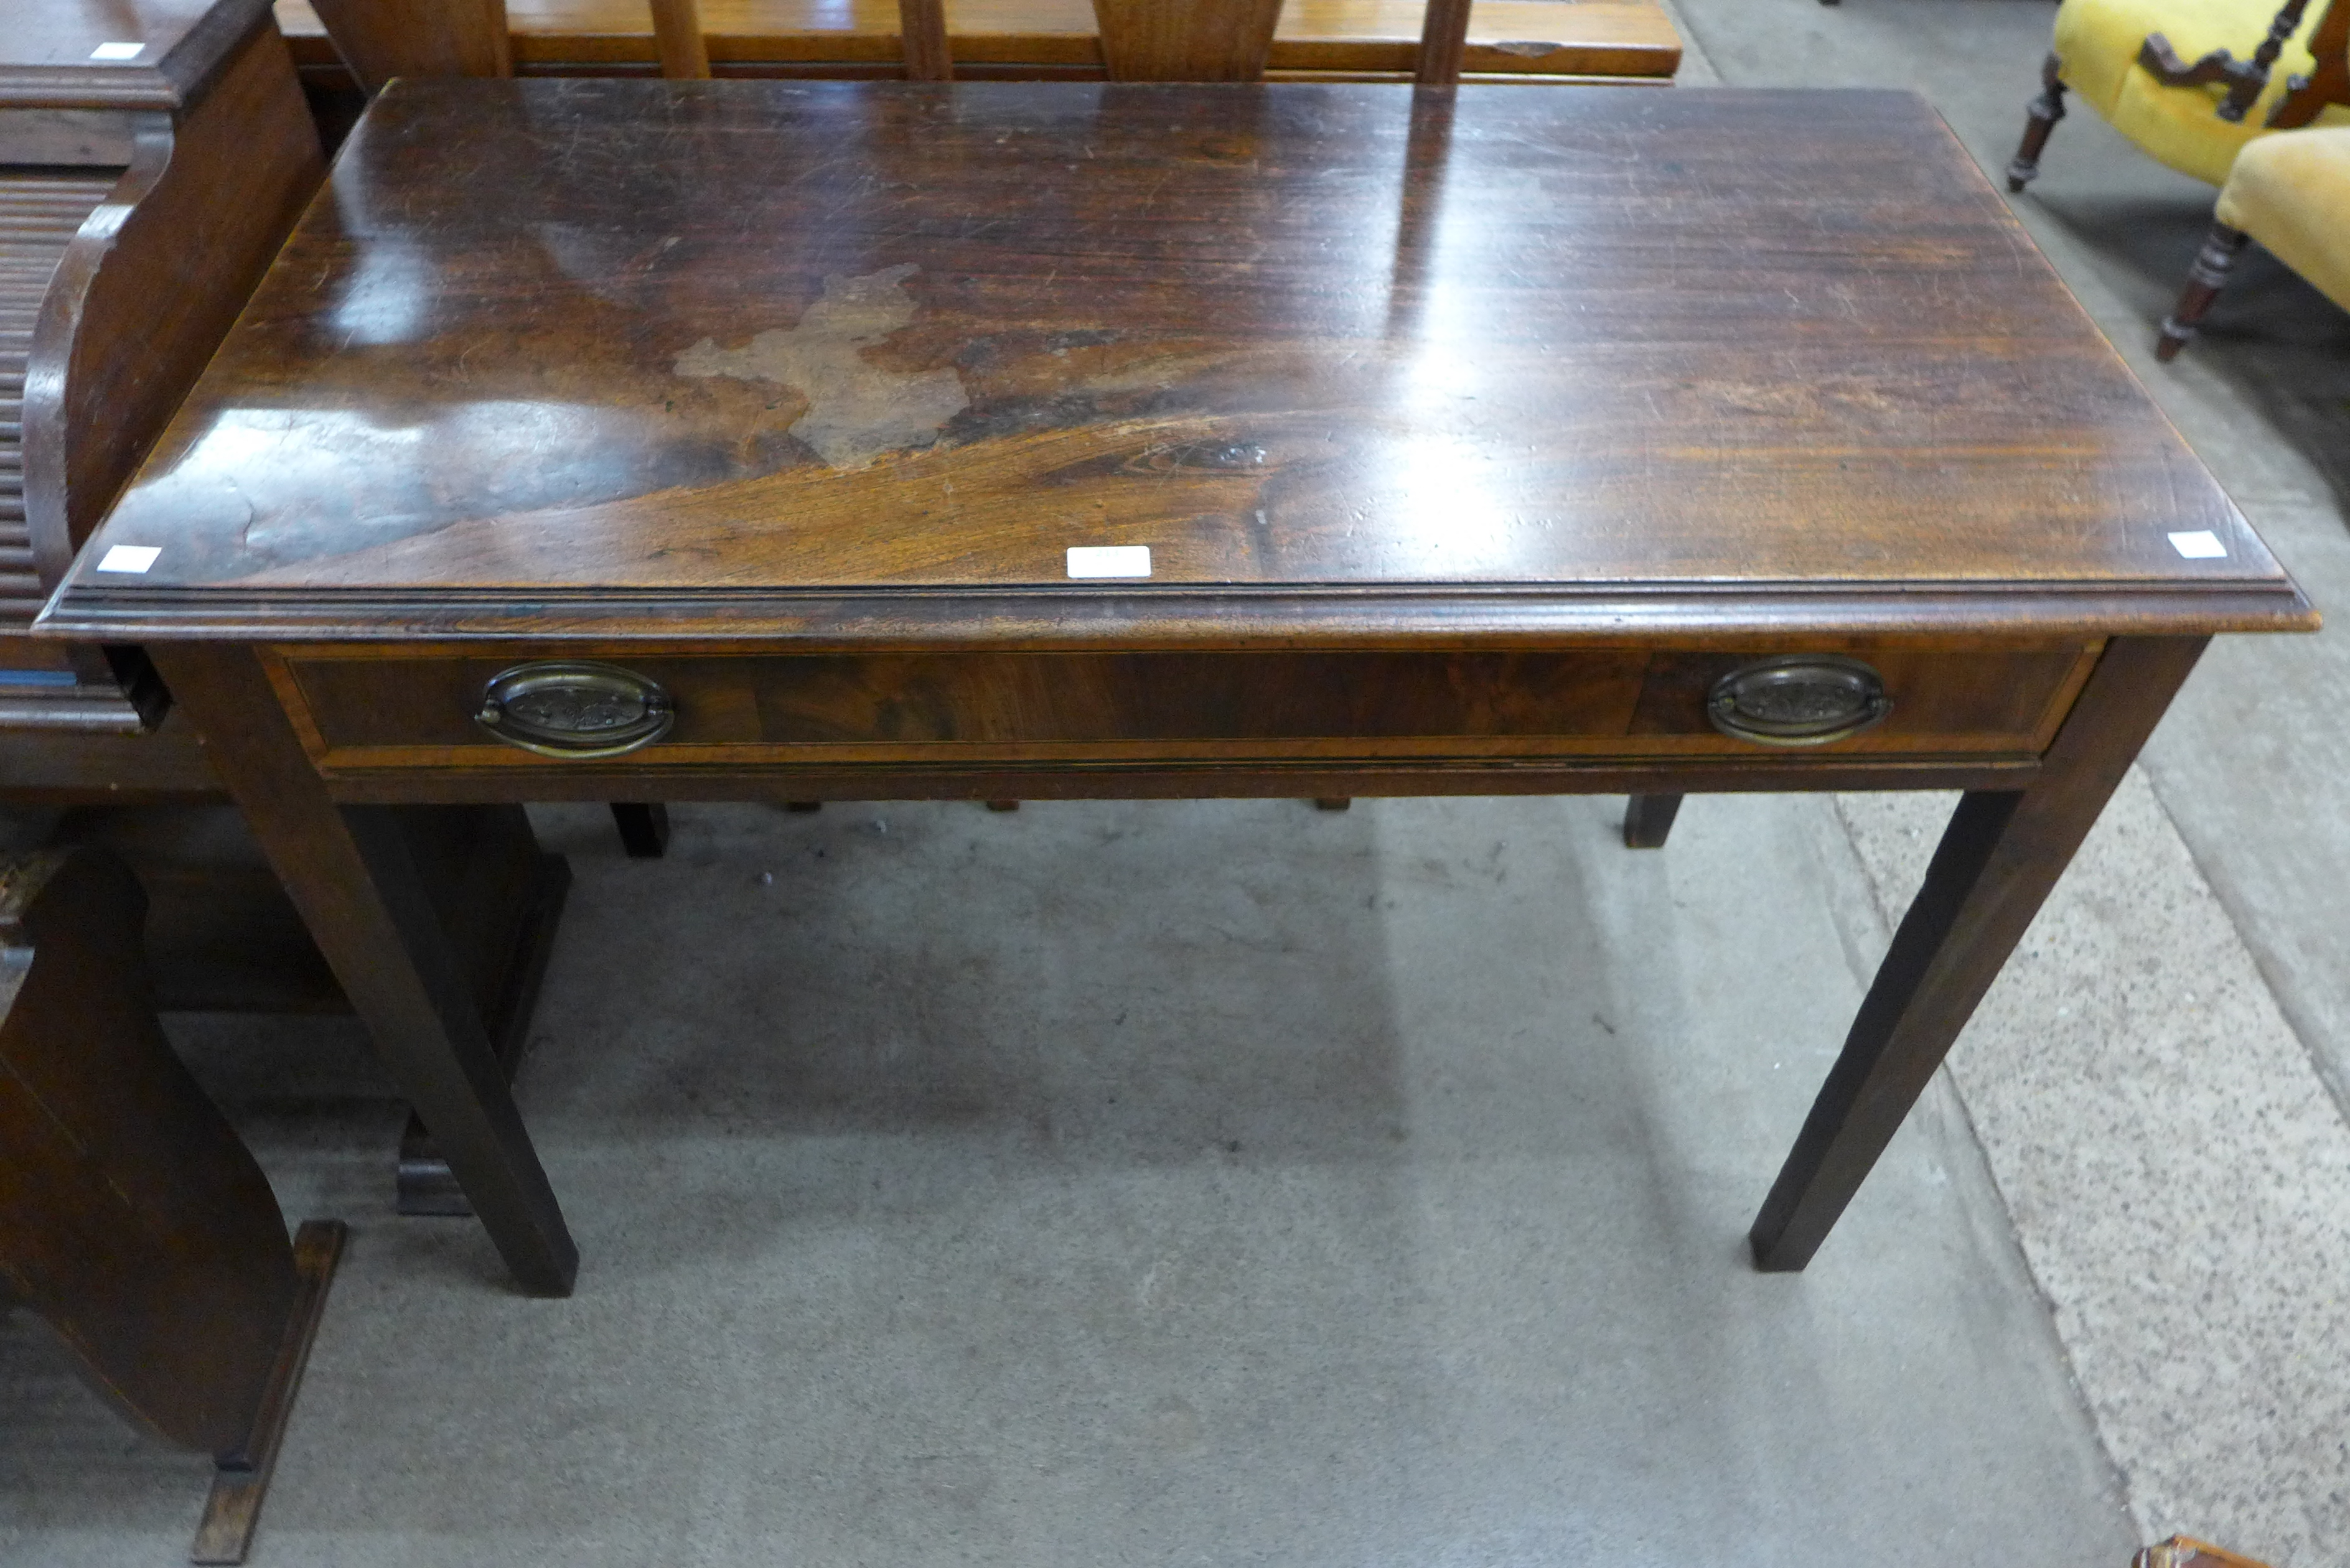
(1798, 700)
(575, 708)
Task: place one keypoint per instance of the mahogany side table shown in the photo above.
(636, 440)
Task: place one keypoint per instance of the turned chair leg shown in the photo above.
(2206, 276)
(1647, 819)
(2045, 111)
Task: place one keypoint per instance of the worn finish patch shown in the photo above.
(857, 410)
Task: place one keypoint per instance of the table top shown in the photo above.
(855, 360)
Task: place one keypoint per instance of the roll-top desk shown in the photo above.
(152, 155)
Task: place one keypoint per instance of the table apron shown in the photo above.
(1236, 722)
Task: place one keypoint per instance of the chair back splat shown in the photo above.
(1229, 40)
(380, 39)
(677, 38)
(921, 27)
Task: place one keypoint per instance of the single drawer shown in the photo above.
(359, 709)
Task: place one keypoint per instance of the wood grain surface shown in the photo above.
(555, 354)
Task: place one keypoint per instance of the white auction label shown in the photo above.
(1109, 560)
(2202, 545)
(129, 558)
(116, 51)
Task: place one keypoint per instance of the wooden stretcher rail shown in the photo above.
(1508, 39)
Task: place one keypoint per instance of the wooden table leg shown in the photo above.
(352, 874)
(1649, 819)
(1999, 856)
(644, 828)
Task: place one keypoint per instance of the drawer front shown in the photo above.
(362, 709)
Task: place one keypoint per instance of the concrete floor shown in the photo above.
(1233, 1182)
(1369, 1189)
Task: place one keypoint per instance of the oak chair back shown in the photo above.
(1141, 41)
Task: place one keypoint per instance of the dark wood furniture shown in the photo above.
(1481, 441)
(131, 1217)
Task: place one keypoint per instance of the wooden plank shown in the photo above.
(1507, 38)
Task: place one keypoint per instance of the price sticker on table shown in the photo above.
(1109, 560)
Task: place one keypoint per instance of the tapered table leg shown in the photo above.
(644, 828)
(1999, 856)
(1649, 819)
(352, 874)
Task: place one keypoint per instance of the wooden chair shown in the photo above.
(132, 1218)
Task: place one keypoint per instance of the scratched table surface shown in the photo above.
(642, 342)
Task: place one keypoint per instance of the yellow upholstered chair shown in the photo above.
(2165, 74)
(2292, 193)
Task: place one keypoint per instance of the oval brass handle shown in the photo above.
(575, 708)
(1798, 700)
